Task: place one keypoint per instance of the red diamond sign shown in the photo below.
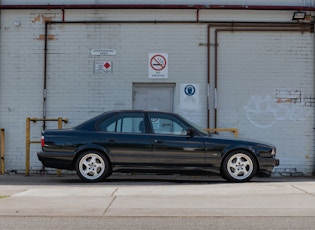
(107, 65)
(103, 67)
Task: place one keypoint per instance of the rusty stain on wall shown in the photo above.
(288, 95)
(49, 37)
(41, 18)
(36, 19)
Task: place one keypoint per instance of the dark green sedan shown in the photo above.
(150, 141)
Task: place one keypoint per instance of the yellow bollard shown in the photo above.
(28, 141)
(233, 130)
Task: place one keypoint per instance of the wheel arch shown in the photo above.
(251, 151)
(93, 147)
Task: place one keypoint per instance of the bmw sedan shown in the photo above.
(153, 142)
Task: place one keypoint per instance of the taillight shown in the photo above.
(43, 141)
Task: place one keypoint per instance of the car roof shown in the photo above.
(136, 110)
(87, 123)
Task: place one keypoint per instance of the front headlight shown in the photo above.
(267, 152)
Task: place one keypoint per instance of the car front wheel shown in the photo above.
(239, 166)
(92, 166)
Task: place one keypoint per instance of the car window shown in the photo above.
(124, 123)
(167, 124)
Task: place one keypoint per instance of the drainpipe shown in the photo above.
(45, 76)
(313, 94)
(63, 14)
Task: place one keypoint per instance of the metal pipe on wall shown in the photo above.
(2, 136)
(2, 151)
(314, 88)
(155, 6)
(45, 77)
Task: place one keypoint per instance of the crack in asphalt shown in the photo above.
(309, 193)
(112, 195)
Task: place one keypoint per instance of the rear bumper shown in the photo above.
(58, 160)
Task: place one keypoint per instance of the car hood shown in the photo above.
(243, 141)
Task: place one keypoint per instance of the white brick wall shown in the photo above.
(251, 66)
(72, 83)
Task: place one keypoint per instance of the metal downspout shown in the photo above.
(313, 173)
(45, 76)
(208, 76)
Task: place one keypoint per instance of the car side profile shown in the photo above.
(151, 141)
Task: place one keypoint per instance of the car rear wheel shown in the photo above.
(92, 166)
(239, 166)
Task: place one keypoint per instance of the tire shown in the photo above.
(92, 166)
(239, 166)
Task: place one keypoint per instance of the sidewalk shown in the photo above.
(50, 195)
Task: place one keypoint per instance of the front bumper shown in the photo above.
(266, 165)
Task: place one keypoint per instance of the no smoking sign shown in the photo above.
(158, 65)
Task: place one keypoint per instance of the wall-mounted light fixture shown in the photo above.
(299, 15)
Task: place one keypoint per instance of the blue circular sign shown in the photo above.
(190, 90)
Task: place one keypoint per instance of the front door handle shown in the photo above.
(158, 141)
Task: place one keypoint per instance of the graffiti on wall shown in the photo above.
(285, 105)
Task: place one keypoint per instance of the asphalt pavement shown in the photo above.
(155, 196)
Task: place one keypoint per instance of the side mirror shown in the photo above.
(190, 132)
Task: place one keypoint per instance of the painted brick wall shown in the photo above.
(73, 90)
(265, 82)
(71, 79)
(252, 67)
(21, 81)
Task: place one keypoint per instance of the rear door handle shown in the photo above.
(158, 141)
(111, 140)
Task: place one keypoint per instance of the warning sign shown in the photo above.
(103, 67)
(158, 65)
